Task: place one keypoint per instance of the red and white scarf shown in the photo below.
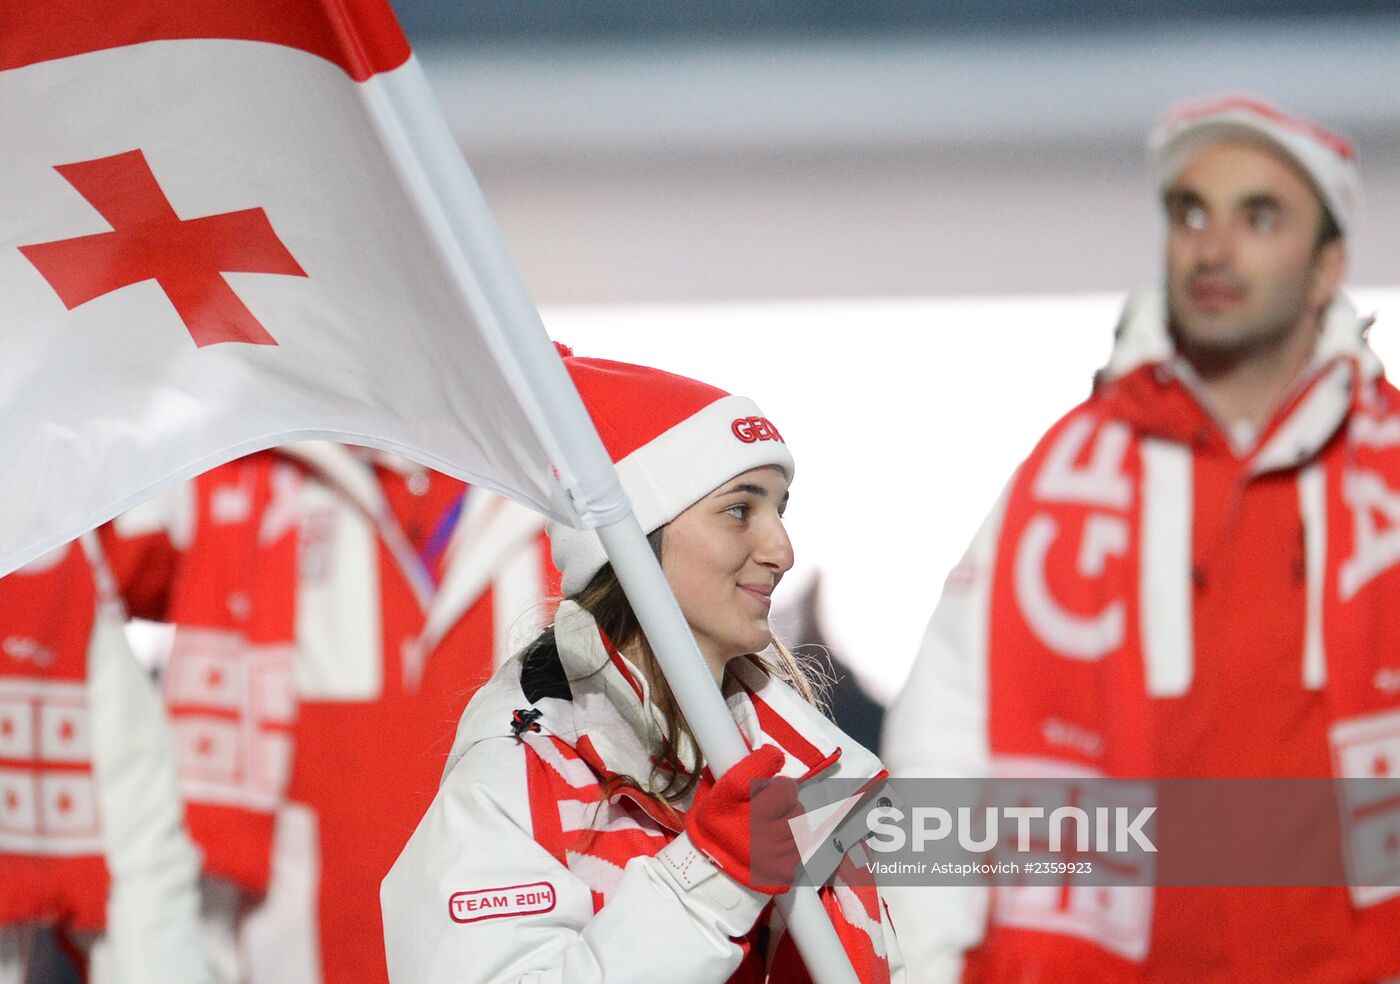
(594, 836)
(52, 864)
(228, 684)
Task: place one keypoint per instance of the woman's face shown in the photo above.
(724, 556)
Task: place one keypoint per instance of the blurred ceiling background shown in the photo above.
(739, 150)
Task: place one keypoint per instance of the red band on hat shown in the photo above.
(1340, 145)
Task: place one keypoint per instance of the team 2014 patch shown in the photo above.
(497, 903)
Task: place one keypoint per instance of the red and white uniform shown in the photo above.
(522, 870)
(1155, 596)
(332, 623)
(91, 840)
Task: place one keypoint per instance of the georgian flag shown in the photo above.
(228, 225)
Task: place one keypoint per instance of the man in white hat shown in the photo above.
(1193, 575)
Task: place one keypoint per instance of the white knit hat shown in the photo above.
(674, 440)
(1328, 159)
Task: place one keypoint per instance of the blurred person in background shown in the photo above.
(92, 848)
(1187, 578)
(334, 609)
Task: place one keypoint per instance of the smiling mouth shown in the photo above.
(765, 594)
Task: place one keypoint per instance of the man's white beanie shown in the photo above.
(1328, 159)
(674, 440)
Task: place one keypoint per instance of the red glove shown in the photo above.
(741, 824)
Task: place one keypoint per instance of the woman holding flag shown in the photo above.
(577, 835)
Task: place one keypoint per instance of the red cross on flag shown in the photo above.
(224, 226)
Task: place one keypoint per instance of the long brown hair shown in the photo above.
(680, 762)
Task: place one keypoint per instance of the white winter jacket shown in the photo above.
(481, 893)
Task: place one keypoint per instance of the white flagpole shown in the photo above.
(705, 709)
(508, 318)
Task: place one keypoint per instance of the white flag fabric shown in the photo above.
(224, 226)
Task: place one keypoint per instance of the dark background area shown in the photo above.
(671, 20)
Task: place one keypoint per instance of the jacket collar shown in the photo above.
(491, 529)
(1142, 338)
(1145, 360)
(614, 720)
(349, 473)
